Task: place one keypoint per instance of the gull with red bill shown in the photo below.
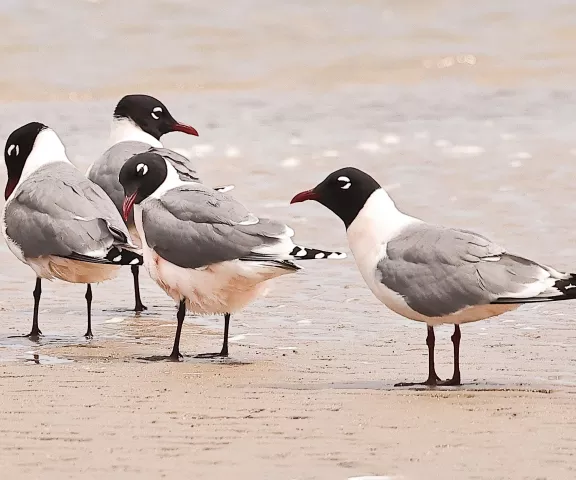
(430, 273)
(202, 247)
(56, 220)
(138, 123)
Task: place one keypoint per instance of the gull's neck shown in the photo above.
(48, 148)
(379, 219)
(171, 181)
(125, 130)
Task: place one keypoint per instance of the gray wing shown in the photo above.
(104, 172)
(58, 211)
(440, 271)
(183, 165)
(194, 226)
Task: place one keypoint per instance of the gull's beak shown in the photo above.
(303, 196)
(181, 127)
(128, 204)
(10, 186)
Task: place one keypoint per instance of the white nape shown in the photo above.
(125, 130)
(48, 148)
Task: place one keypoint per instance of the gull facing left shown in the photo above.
(430, 273)
(56, 220)
(202, 247)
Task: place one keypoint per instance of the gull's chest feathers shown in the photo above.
(368, 235)
(224, 287)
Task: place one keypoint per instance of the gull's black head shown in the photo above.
(140, 177)
(344, 191)
(151, 115)
(17, 150)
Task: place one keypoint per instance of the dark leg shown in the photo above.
(455, 380)
(432, 379)
(35, 332)
(224, 351)
(176, 355)
(140, 307)
(88, 297)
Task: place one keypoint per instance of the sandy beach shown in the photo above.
(305, 395)
(289, 416)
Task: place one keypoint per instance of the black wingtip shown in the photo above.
(115, 256)
(304, 253)
(566, 288)
(120, 256)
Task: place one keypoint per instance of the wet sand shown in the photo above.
(304, 415)
(307, 394)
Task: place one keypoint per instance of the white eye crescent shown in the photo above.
(13, 148)
(142, 168)
(346, 181)
(155, 111)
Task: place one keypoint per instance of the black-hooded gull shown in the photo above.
(202, 247)
(138, 123)
(56, 220)
(431, 273)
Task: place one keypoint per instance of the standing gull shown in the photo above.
(203, 248)
(430, 273)
(138, 123)
(56, 220)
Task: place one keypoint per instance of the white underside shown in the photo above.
(224, 287)
(376, 222)
(73, 271)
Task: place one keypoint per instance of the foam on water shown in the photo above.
(390, 139)
(330, 153)
(290, 162)
(232, 152)
(371, 147)
(521, 155)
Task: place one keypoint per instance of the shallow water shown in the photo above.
(464, 112)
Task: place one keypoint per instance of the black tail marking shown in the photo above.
(115, 256)
(305, 253)
(566, 288)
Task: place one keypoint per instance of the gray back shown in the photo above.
(194, 226)
(58, 211)
(441, 270)
(106, 170)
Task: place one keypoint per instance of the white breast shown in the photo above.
(368, 236)
(224, 287)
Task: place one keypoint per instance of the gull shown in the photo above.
(56, 220)
(202, 247)
(138, 123)
(430, 273)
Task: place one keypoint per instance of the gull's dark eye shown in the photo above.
(344, 183)
(156, 113)
(142, 169)
(13, 149)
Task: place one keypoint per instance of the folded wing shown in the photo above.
(60, 212)
(440, 271)
(194, 226)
